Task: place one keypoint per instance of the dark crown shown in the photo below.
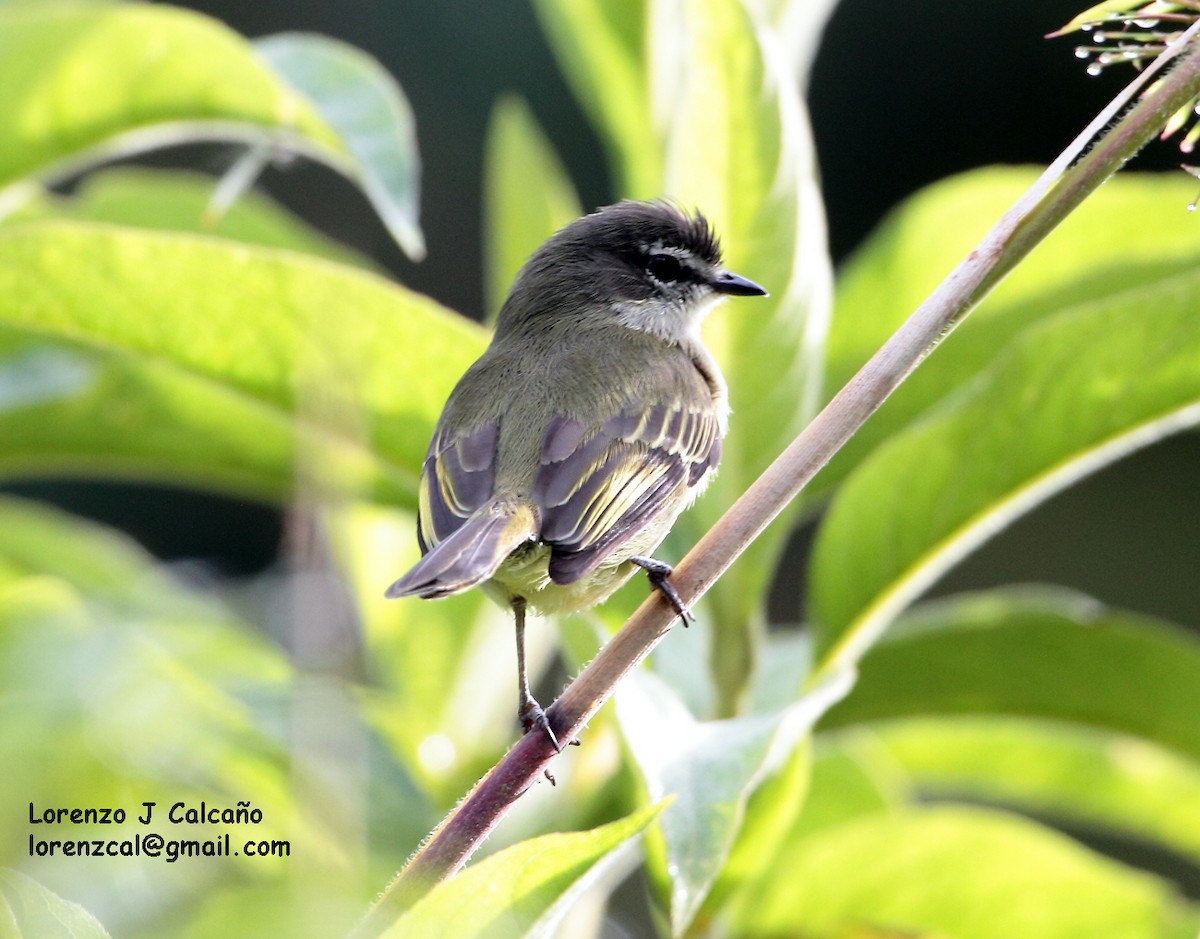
(638, 226)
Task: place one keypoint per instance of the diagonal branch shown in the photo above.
(1091, 159)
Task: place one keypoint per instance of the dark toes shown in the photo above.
(531, 715)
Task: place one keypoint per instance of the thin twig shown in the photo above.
(1078, 172)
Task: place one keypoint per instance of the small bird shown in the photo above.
(566, 452)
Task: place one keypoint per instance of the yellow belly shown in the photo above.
(525, 573)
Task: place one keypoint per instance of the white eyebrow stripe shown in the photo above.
(683, 255)
(660, 247)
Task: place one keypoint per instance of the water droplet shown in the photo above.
(1101, 37)
(1146, 23)
(1130, 54)
(1088, 27)
(1094, 69)
(1192, 204)
(1105, 58)
(1082, 52)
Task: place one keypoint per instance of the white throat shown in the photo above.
(676, 321)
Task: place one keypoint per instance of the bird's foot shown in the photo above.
(658, 572)
(532, 715)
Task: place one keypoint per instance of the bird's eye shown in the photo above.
(665, 268)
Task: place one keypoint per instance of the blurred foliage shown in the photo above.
(169, 327)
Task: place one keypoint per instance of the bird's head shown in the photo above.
(648, 266)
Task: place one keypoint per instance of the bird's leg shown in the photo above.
(529, 711)
(658, 572)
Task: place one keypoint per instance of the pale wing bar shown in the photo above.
(457, 479)
(594, 493)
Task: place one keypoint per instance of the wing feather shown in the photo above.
(458, 477)
(595, 492)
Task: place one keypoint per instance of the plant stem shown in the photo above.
(1077, 173)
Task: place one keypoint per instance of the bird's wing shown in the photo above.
(598, 483)
(597, 488)
(461, 546)
(457, 478)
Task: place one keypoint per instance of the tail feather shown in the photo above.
(467, 557)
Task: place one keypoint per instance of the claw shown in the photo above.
(657, 572)
(531, 715)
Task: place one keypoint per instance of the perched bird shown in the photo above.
(595, 417)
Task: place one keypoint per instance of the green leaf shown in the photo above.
(524, 890)
(27, 909)
(970, 874)
(1097, 252)
(118, 357)
(798, 24)
(1069, 395)
(527, 195)
(84, 82)
(602, 49)
(40, 542)
(710, 769)
(1100, 12)
(1123, 785)
(180, 201)
(852, 775)
(849, 776)
(69, 586)
(770, 812)
(1049, 655)
(367, 108)
(121, 686)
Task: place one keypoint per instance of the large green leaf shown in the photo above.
(710, 768)
(967, 874)
(717, 124)
(1046, 655)
(602, 47)
(527, 195)
(121, 686)
(181, 201)
(30, 911)
(77, 596)
(84, 82)
(524, 890)
(852, 775)
(738, 147)
(1100, 250)
(120, 357)
(374, 122)
(1043, 700)
(1067, 396)
(80, 82)
(1113, 783)
(799, 24)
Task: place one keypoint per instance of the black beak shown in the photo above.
(735, 285)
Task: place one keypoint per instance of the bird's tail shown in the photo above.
(467, 557)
